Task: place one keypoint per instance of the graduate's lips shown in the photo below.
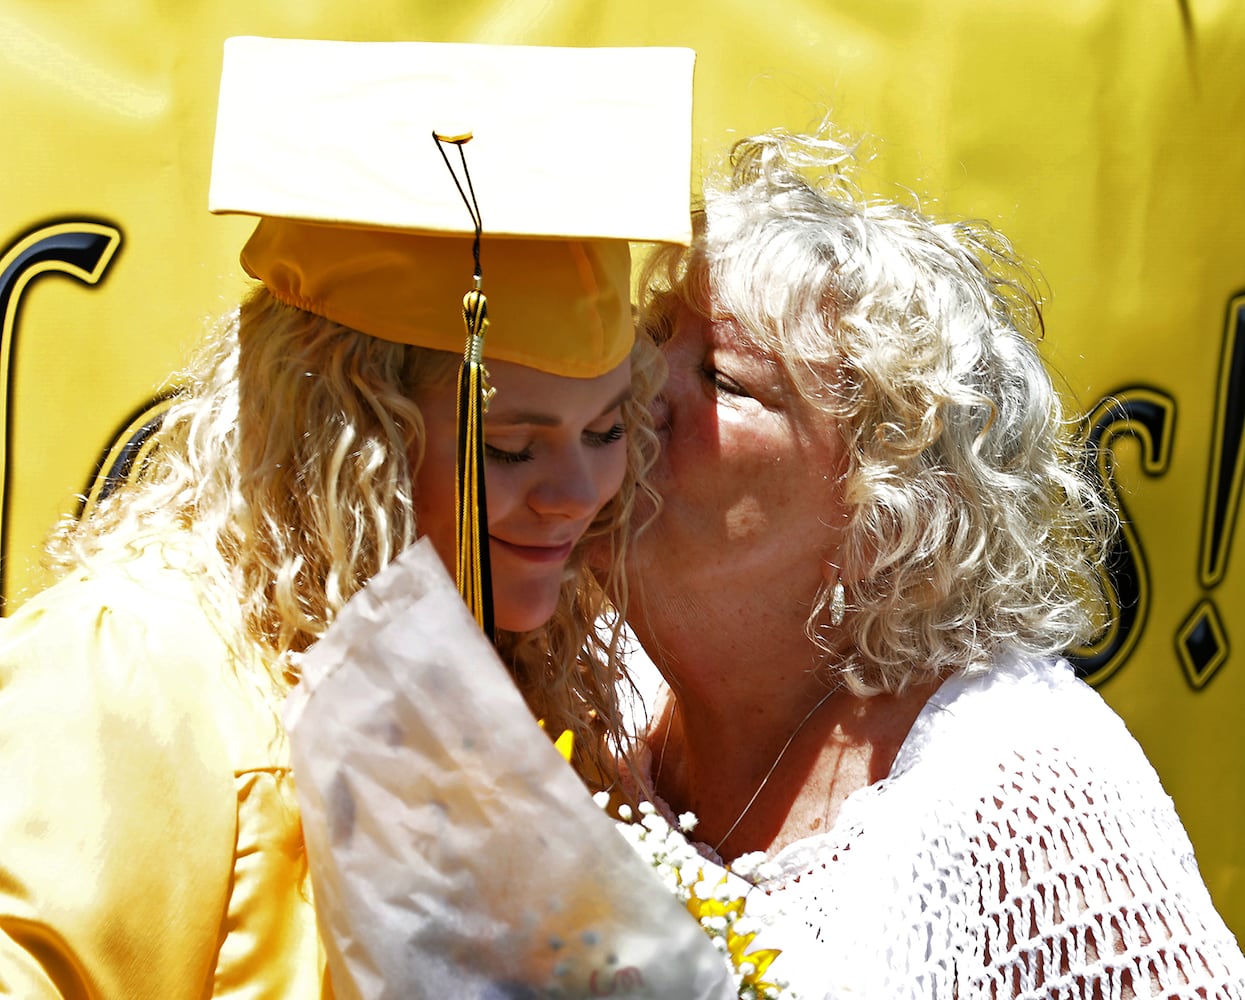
(553, 552)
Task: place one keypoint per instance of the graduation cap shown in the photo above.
(392, 177)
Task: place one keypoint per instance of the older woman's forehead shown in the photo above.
(765, 344)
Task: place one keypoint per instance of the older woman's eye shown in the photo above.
(724, 383)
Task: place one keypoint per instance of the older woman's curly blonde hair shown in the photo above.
(971, 524)
(284, 469)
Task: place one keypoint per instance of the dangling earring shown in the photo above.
(838, 604)
(838, 594)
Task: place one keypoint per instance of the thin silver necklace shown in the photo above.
(768, 774)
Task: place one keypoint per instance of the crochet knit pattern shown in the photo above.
(1022, 846)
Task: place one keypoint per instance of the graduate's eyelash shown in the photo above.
(594, 439)
(508, 457)
(599, 439)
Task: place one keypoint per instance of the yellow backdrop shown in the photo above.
(1107, 137)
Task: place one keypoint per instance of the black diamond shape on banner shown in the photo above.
(1202, 645)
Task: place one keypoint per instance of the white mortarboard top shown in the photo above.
(573, 152)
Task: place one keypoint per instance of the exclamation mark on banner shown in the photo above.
(1202, 641)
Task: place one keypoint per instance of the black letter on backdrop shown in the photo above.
(79, 248)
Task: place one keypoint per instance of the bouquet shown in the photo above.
(452, 851)
(716, 901)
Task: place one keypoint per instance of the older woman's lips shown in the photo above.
(536, 553)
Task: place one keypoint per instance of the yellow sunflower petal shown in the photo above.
(737, 944)
(565, 743)
(762, 960)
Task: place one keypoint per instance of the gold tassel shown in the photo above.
(475, 581)
(474, 577)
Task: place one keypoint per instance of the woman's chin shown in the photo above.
(524, 614)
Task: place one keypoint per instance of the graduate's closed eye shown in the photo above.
(496, 454)
(599, 439)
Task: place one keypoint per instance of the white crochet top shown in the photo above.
(1022, 846)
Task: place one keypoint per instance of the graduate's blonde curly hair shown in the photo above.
(284, 467)
(971, 524)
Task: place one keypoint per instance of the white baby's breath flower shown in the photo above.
(687, 822)
(746, 865)
(655, 823)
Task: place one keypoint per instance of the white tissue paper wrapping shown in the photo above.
(453, 852)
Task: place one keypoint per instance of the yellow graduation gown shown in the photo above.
(150, 844)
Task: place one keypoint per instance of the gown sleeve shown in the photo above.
(118, 808)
